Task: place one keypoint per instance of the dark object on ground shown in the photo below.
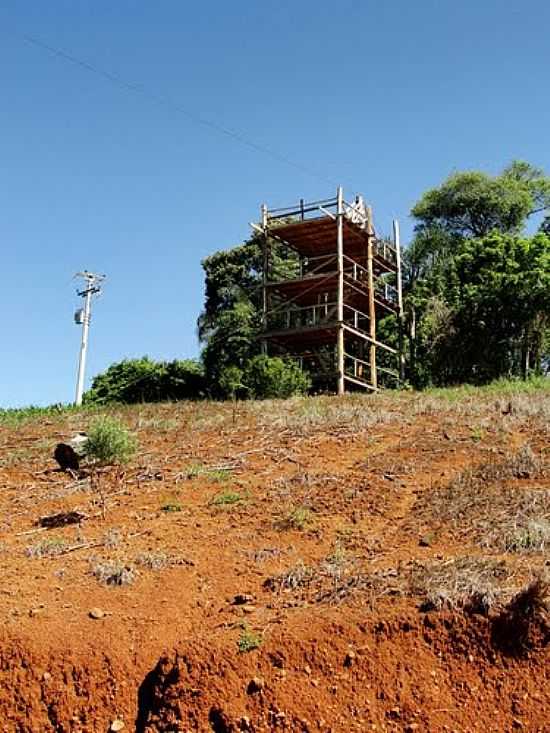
(66, 457)
(61, 519)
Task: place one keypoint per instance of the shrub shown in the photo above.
(268, 377)
(146, 380)
(110, 442)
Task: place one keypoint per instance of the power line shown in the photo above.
(170, 103)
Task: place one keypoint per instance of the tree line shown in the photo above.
(476, 285)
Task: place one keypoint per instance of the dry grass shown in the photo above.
(485, 504)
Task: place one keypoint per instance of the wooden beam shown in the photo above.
(340, 294)
(372, 307)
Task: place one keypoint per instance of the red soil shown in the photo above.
(345, 649)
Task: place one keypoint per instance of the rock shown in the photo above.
(117, 725)
(307, 669)
(256, 684)
(349, 659)
(244, 723)
(411, 727)
(46, 676)
(248, 608)
(242, 599)
(97, 613)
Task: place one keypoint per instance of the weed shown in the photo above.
(298, 518)
(248, 640)
(153, 560)
(49, 547)
(112, 537)
(226, 498)
(298, 576)
(109, 442)
(171, 505)
(534, 537)
(112, 572)
(215, 475)
(477, 434)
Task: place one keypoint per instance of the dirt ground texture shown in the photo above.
(317, 564)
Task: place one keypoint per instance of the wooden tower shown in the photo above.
(327, 281)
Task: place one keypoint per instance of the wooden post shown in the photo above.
(340, 294)
(400, 324)
(372, 309)
(265, 269)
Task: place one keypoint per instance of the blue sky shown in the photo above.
(386, 97)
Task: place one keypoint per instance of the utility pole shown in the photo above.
(92, 286)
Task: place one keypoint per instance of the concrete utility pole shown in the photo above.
(82, 317)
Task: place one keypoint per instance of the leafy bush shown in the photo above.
(110, 442)
(267, 377)
(145, 380)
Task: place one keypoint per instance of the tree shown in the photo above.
(475, 289)
(231, 320)
(472, 203)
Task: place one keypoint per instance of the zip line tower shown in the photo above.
(328, 280)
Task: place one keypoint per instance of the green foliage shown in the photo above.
(248, 640)
(110, 442)
(269, 377)
(145, 380)
(472, 203)
(477, 292)
(230, 323)
(226, 498)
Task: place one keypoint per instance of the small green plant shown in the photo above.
(171, 505)
(226, 498)
(216, 475)
(110, 442)
(477, 434)
(248, 640)
(298, 518)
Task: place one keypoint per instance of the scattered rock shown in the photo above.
(349, 659)
(242, 599)
(97, 613)
(256, 684)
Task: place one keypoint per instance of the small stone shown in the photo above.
(517, 724)
(349, 659)
(307, 669)
(241, 599)
(117, 725)
(256, 684)
(46, 676)
(98, 613)
(411, 727)
(247, 609)
(244, 723)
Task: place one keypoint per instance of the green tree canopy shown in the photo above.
(476, 289)
(145, 380)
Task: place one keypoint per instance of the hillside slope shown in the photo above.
(319, 564)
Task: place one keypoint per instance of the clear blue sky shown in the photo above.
(387, 97)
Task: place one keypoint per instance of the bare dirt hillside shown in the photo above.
(318, 564)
